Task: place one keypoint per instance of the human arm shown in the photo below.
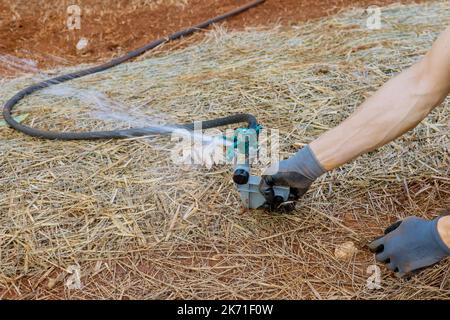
(398, 106)
(444, 230)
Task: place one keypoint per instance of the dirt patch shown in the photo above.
(38, 30)
(113, 207)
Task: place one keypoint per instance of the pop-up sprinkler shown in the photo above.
(246, 148)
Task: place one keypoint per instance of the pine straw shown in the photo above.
(140, 227)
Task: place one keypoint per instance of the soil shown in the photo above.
(37, 30)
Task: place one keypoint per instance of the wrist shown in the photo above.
(443, 228)
(324, 153)
(305, 162)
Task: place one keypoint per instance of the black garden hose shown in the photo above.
(133, 132)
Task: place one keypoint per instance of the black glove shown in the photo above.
(298, 172)
(410, 245)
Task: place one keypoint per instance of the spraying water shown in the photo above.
(107, 109)
(203, 147)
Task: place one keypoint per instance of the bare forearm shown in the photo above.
(444, 229)
(394, 109)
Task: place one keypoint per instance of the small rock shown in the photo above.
(82, 44)
(345, 251)
(52, 282)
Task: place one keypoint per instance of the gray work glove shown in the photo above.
(298, 172)
(410, 245)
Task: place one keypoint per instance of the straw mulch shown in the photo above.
(139, 226)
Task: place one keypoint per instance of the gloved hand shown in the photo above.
(298, 172)
(410, 245)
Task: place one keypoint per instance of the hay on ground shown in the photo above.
(138, 226)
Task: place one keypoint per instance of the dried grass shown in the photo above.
(140, 227)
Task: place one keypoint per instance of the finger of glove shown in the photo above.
(410, 274)
(419, 270)
(266, 188)
(392, 227)
(287, 207)
(284, 207)
(391, 266)
(401, 274)
(277, 201)
(296, 193)
(382, 256)
(377, 244)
